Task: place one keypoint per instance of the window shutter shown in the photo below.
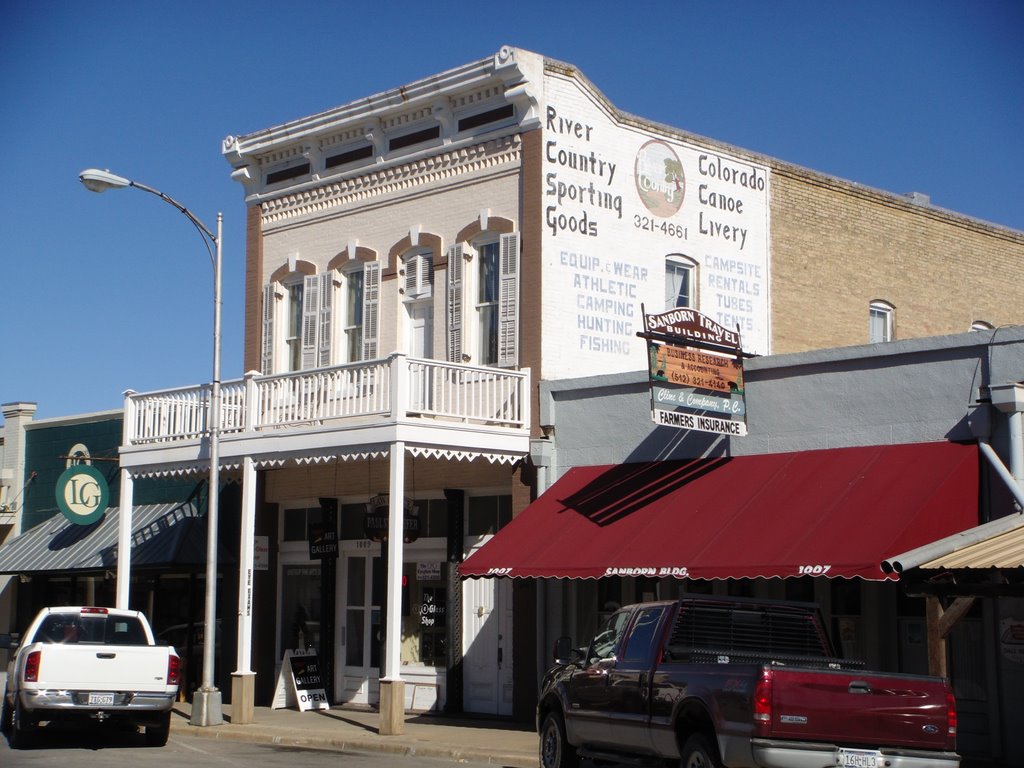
(326, 319)
(371, 303)
(508, 302)
(310, 310)
(267, 352)
(419, 273)
(454, 301)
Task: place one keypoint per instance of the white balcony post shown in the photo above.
(128, 426)
(399, 386)
(252, 401)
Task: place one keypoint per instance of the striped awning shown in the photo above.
(161, 534)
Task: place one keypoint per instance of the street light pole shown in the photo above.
(206, 704)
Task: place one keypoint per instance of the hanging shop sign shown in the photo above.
(695, 370)
(82, 494)
(688, 326)
(692, 367)
(378, 515)
(323, 535)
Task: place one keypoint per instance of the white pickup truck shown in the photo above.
(77, 663)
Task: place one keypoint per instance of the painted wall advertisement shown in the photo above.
(619, 202)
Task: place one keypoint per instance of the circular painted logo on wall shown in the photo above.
(82, 494)
(659, 178)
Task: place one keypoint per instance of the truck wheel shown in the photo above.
(555, 750)
(698, 753)
(156, 735)
(21, 729)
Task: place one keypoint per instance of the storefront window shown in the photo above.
(424, 613)
(488, 514)
(300, 607)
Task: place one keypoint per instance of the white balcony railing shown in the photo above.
(391, 389)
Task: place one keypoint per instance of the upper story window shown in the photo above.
(680, 282)
(488, 286)
(312, 305)
(881, 322)
(485, 275)
(294, 294)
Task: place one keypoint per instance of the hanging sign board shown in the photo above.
(691, 367)
(690, 326)
(695, 372)
(299, 682)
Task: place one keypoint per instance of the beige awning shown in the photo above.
(1004, 550)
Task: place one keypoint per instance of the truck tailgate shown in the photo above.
(867, 709)
(140, 668)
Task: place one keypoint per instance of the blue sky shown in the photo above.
(104, 293)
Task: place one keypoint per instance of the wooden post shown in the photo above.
(940, 623)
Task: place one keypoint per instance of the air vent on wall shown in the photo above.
(288, 173)
(483, 118)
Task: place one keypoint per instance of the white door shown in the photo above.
(421, 329)
(487, 646)
(360, 630)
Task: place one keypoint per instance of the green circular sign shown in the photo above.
(82, 494)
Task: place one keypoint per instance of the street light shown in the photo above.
(206, 705)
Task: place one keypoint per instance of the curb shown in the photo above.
(383, 744)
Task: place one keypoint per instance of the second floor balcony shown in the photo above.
(434, 406)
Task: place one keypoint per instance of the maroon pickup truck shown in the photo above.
(706, 681)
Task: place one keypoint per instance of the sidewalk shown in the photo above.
(486, 740)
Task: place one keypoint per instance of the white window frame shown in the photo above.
(482, 340)
(292, 325)
(881, 322)
(678, 261)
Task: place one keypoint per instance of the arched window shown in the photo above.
(881, 321)
(485, 274)
(680, 281)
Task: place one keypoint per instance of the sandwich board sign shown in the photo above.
(299, 684)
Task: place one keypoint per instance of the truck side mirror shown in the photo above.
(564, 652)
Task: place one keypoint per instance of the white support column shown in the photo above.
(124, 539)
(392, 688)
(243, 680)
(396, 520)
(246, 556)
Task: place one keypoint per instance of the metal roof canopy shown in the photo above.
(162, 534)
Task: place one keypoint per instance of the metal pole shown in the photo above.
(206, 705)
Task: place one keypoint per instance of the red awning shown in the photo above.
(828, 513)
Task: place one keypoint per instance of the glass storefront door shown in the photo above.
(360, 633)
(300, 607)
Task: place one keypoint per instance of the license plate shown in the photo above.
(101, 699)
(859, 758)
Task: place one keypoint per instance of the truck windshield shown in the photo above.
(90, 628)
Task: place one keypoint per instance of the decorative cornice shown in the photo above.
(426, 170)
